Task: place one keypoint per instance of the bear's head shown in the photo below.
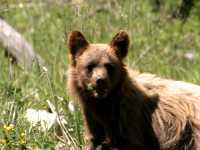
(97, 68)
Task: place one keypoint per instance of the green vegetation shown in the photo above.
(159, 44)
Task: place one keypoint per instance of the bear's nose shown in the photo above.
(99, 81)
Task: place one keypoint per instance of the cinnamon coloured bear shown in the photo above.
(126, 110)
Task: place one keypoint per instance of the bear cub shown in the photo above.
(116, 110)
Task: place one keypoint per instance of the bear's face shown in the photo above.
(97, 66)
(99, 69)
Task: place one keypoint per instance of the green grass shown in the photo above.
(158, 45)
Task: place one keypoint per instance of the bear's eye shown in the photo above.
(109, 67)
(89, 67)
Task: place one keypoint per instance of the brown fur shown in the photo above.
(126, 110)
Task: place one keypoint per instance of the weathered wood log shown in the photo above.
(16, 46)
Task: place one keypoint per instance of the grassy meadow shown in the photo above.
(159, 44)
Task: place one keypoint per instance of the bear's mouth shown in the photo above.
(97, 92)
(100, 93)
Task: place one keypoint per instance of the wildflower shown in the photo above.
(22, 141)
(46, 119)
(71, 106)
(44, 69)
(21, 5)
(190, 56)
(60, 98)
(23, 134)
(9, 127)
(2, 141)
(70, 129)
(30, 148)
(36, 96)
(77, 2)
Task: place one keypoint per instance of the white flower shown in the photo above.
(44, 118)
(71, 106)
(189, 56)
(60, 98)
(36, 96)
(77, 2)
(21, 5)
(44, 69)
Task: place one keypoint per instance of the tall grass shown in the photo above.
(159, 44)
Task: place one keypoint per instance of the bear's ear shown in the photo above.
(76, 42)
(120, 43)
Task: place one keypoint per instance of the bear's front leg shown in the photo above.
(94, 134)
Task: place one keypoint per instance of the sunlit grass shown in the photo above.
(158, 45)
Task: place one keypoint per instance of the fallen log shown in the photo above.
(17, 47)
